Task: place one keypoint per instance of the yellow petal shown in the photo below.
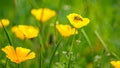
(25, 32)
(5, 22)
(37, 13)
(18, 56)
(18, 32)
(77, 20)
(30, 31)
(47, 14)
(66, 30)
(116, 64)
(10, 52)
(30, 55)
(43, 14)
(21, 54)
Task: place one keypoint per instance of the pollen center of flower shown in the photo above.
(77, 18)
(17, 61)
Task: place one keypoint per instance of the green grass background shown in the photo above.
(103, 32)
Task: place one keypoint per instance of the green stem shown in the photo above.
(41, 49)
(87, 38)
(57, 45)
(69, 54)
(115, 55)
(57, 13)
(103, 43)
(8, 37)
(40, 38)
(69, 62)
(18, 65)
(6, 62)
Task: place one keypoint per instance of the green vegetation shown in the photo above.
(95, 45)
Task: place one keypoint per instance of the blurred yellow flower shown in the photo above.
(43, 14)
(116, 64)
(19, 55)
(5, 22)
(25, 32)
(66, 30)
(77, 21)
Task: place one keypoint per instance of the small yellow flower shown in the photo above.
(25, 32)
(116, 64)
(77, 21)
(5, 22)
(43, 14)
(19, 55)
(66, 30)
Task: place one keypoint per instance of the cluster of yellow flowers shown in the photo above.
(25, 32)
(76, 20)
(20, 54)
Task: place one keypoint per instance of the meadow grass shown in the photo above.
(95, 45)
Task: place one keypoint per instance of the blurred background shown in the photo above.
(94, 47)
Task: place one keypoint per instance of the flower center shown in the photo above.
(17, 61)
(77, 18)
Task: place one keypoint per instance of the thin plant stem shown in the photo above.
(6, 62)
(69, 61)
(56, 20)
(103, 43)
(18, 65)
(57, 45)
(115, 55)
(87, 38)
(8, 37)
(41, 49)
(69, 54)
(41, 38)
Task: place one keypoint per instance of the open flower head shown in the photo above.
(19, 55)
(116, 64)
(5, 22)
(77, 20)
(25, 32)
(66, 30)
(43, 14)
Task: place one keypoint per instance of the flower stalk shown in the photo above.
(87, 38)
(57, 45)
(8, 37)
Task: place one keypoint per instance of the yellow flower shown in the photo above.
(25, 32)
(43, 14)
(5, 22)
(116, 64)
(19, 55)
(77, 21)
(66, 30)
